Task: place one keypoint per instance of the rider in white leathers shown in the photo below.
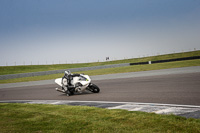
(68, 76)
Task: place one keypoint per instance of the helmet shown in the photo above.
(67, 72)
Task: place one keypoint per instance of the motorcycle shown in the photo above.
(78, 84)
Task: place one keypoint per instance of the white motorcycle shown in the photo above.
(78, 84)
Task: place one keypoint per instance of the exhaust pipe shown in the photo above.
(60, 90)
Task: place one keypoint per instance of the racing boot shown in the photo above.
(71, 89)
(64, 88)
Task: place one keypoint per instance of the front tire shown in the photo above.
(93, 88)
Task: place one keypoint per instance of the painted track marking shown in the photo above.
(182, 110)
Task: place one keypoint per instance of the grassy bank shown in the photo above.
(36, 68)
(56, 118)
(135, 68)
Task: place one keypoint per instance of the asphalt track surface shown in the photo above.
(177, 88)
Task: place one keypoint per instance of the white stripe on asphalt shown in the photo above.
(165, 111)
(58, 102)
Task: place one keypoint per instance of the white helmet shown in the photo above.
(67, 72)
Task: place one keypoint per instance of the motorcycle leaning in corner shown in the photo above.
(75, 83)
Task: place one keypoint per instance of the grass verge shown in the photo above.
(36, 68)
(133, 68)
(56, 118)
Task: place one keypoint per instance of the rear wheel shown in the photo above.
(93, 88)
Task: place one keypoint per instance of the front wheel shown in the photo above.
(93, 88)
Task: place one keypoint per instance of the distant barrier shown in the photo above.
(177, 59)
(168, 60)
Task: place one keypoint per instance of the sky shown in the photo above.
(75, 31)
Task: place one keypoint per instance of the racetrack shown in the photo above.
(183, 88)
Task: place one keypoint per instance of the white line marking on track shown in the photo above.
(136, 109)
(165, 111)
(130, 106)
(58, 102)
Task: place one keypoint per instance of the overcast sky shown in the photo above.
(53, 31)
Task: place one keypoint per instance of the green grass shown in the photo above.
(36, 68)
(23, 118)
(134, 68)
